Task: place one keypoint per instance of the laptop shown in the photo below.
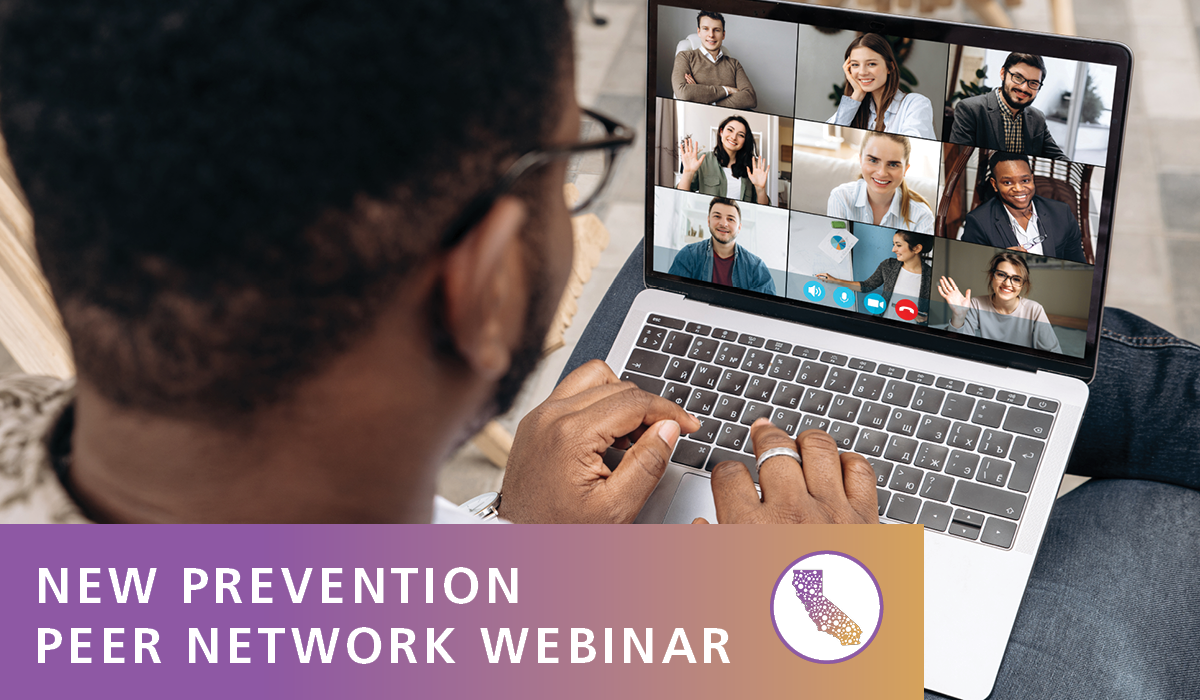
(802, 273)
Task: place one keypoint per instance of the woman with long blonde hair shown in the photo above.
(880, 196)
(872, 98)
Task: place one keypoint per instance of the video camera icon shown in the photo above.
(815, 291)
(875, 304)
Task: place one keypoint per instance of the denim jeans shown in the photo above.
(1113, 604)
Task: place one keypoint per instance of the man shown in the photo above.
(719, 259)
(708, 74)
(292, 290)
(1005, 118)
(1018, 219)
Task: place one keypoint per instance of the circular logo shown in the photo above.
(826, 607)
(838, 243)
(844, 297)
(875, 304)
(906, 309)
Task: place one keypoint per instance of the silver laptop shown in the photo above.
(805, 267)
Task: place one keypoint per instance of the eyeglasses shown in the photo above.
(1020, 80)
(589, 175)
(1014, 280)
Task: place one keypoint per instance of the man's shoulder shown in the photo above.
(750, 258)
(694, 248)
(29, 490)
(1052, 207)
(976, 102)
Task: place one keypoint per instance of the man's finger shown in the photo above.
(623, 412)
(700, 521)
(590, 374)
(734, 494)
(781, 477)
(640, 470)
(822, 468)
(859, 478)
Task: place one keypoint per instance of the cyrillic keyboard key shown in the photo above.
(702, 402)
(811, 422)
(1011, 397)
(778, 346)
(754, 411)
(995, 443)
(844, 408)
(677, 393)
(904, 508)
(988, 413)
(806, 353)
(784, 367)
(730, 355)
(933, 428)
(733, 382)
(919, 377)
(931, 456)
(874, 415)
(993, 471)
(869, 387)
(679, 370)
(970, 532)
(677, 343)
(648, 384)
(935, 516)
(1032, 423)
(903, 422)
(871, 442)
(950, 384)
(706, 376)
(1006, 504)
(891, 371)
(928, 400)
(901, 449)
(882, 496)
(982, 392)
(898, 393)
(667, 321)
(964, 436)
(760, 389)
(840, 380)
(834, 359)
(709, 427)
(729, 408)
(704, 349)
(652, 337)
(843, 434)
(816, 402)
(999, 532)
(968, 517)
(753, 341)
(937, 486)
(733, 437)
(785, 420)
(787, 395)
(905, 479)
(698, 328)
(958, 407)
(724, 334)
(757, 361)
(883, 471)
(1044, 405)
(812, 374)
(692, 454)
(962, 464)
(1025, 454)
(646, 362)
(861, 365)
(720, 454)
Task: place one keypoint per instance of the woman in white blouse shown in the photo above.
(872, 72)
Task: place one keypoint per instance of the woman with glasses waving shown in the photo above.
(1005, 314)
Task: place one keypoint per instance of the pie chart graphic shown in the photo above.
(838, 243)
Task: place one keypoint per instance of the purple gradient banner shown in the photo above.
(639, 611)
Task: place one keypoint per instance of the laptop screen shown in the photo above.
(942, 185)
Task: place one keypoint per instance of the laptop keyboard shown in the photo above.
(956, 457)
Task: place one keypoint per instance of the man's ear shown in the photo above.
(485, 289)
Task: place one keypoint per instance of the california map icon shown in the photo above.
(829, 618)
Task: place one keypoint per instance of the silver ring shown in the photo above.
(777, 452)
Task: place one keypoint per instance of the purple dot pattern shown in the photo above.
(810, 589)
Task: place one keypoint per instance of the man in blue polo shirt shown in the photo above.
(720, 259)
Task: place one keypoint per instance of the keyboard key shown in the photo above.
(935, 516)
(805, 353)
(1026, 454)
(937, 487)
(901, 449)
(702, 402)
(677, 393)
(698, 328)
(869, 387)
(905, 479)
(1006, 504)
(843, 434)
(993, 471)
(646, 362)
(844, 408)
(706, 376)
(729, 408)
(757, 361)
(733, 437)
(928, 400)
(1027, 422)
(968, 531)
(754, 411)
(882, 497)
(725, 334)
(962, 464)
(704, 349)
(647, 384)
(903, 422)
(720, 454)
(760, 389)
(931, 456)
(784, 367)
(891, 371)
(692, 454)
(988, 413)
(709, 427)
(785, 420)
(840, 380)
(816, 402)
(964, 436)
(812, 374)
(679, 370)
(995, 443)
(980, 391)
(871, 442)
(834, 359)
(652, 338)
(968, 517)
(898, 393)
(883, 471)
(861, 365)
(778, 346)
(666, 321)
(874, 415)
(958, 407)
(950, 384)
(904, 508)
(677, 343)
(1011, 397)
(733, 382)
(933, 428)
(1044, 405)
(919, 377)
(753, 341)
(811, 422)
(787, 395)
(730, 355)
(999, 532)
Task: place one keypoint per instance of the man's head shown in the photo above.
(1022, 76)
(228, 196)
(711, 28)
(1012, 178)
(724, 220)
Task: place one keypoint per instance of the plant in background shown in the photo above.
(965, 89)
(901, 47)
(1093, 104)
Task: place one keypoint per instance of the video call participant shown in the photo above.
(907, 275)
(880, 196)
(1018, 219)
(1005, 118)
(731, 169)
(708, 74)
(719, 259)
(872, 72)
(1004, 315)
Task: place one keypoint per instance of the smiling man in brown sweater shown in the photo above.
(709, 75)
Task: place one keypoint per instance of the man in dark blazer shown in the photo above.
(1016, 218)
(1005, 119)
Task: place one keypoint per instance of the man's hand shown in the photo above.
(688, 77)
(828, 488)
(555, 472)
(1017, 247)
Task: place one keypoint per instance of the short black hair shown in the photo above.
(711, 15)
(727, 202)
(1003, 156)
(1028, 59)
(215, 182)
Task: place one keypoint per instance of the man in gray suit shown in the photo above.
(1005, 118)
(1018, 219)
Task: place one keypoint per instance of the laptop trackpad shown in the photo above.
(693, 499)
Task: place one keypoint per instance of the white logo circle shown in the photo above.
(826, 607)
